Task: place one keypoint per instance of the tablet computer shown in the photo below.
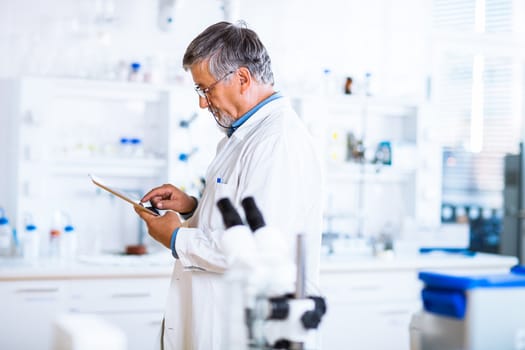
(135, 202)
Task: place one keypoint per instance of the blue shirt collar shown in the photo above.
(251, 112)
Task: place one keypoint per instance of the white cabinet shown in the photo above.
(29, 308)
(58, 131)
(370, 303)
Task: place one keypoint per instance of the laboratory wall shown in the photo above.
(388, 39)
(382, 45)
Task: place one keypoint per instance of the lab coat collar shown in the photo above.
(261, 114)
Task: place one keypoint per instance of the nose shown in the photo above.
(203, 102)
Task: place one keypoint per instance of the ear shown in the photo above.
(245, 78)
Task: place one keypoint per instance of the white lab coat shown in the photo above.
(272, 158)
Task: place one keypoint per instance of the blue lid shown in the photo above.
(135, 66)
(454, 282)
(124, 140)
(135, 141)
(449, 250)
(4, 221)
(69, 229)
(445, 294)
(30, 227)
(183, 157)
(518, 269)
(449, 303)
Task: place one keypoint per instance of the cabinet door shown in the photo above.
(381, 326)
(28, 312)
(369, 310)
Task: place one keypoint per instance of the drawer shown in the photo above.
(34, 290)
(360, 287)
(141, 294)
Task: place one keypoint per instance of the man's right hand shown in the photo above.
(169, 197)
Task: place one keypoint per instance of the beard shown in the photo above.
(224, 121)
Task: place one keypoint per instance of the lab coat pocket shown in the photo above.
(224, 190)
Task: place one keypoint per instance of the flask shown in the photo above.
(30, 243)
(6, 237)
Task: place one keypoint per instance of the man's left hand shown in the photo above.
(161, 227)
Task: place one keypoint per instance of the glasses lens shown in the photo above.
(200, 92)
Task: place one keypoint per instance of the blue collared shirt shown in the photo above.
(252, 111)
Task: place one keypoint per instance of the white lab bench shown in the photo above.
(370, 300)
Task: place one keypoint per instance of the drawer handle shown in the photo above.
(365, 288)
(131, 295)
(394, 312)
(36, 290)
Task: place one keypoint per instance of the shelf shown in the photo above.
(119, 90)
(141, 167)
(369, 173)
(355, 105)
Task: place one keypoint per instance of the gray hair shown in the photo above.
(229, 46)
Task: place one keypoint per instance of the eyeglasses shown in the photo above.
(203, 92)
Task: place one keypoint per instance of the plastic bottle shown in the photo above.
(368, 84)
(31, 243)
(137, 150)
(55, 251)
(6, 237)
(125, 146)
(326, 82)
(69, 241)
(134, 71)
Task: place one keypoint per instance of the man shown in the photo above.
(267, 153)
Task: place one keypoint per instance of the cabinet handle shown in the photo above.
(131, 295)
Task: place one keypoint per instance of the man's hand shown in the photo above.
(170, 197)
(160, 227)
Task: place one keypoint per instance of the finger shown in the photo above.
(155, 201)
(167, 204)
(161, 192)
(143, 214)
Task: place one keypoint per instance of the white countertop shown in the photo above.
(435, 260)
(87, 267)
(160, 265)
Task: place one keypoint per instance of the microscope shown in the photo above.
(266, 294)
